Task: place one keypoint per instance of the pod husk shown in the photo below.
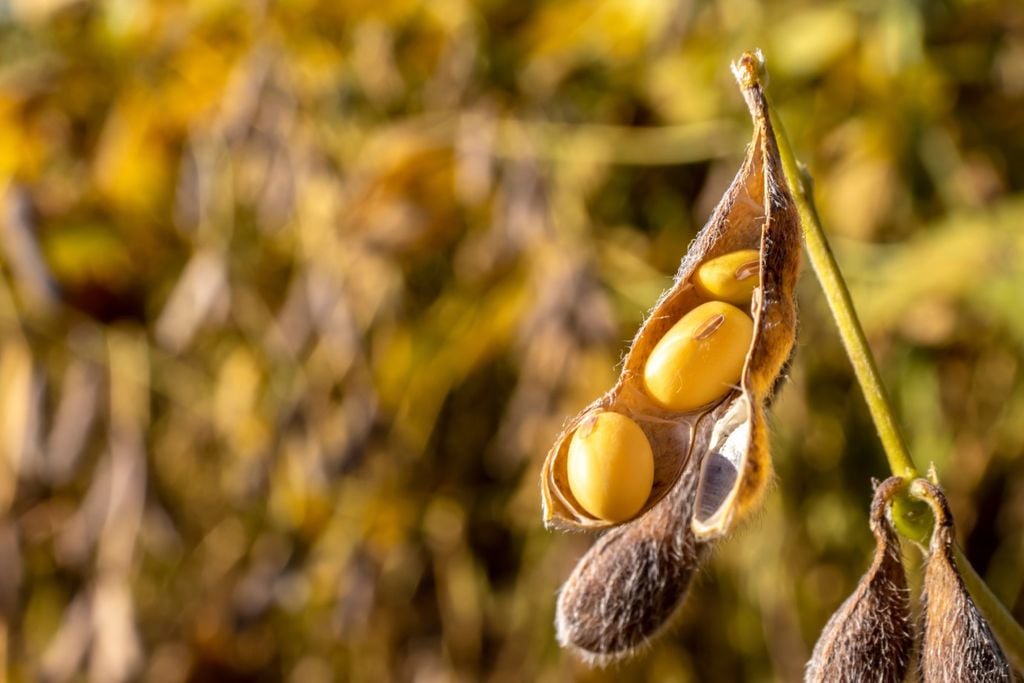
(958, 645)
(627, 587)
(756, 212)
(871, 636)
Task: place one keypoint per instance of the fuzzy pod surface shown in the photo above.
(626, 588)
(871, 636)
(756, 212)
(957, 645)
(712, 464)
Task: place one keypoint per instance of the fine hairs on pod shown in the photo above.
(727, 325)
(957, 645)
(627, 587)
(870, 637)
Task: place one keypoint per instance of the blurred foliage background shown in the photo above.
(295, 296)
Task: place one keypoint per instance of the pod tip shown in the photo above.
(749, 69)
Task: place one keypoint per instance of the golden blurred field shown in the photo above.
(295, 295)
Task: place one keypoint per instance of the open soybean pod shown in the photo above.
(958, 645)
(753, 232)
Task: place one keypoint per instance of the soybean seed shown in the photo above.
(700, 358)
(730, 277)
(610, 467)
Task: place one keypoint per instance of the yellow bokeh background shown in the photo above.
(295, 295)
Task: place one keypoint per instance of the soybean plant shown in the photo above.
(676, 453)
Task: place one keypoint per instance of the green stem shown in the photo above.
(910, 516)
(838, 297)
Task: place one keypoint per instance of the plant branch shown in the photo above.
(837, 295)
(910, 516)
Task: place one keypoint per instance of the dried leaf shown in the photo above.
(756, 212)
(870, 636)
(958, 645)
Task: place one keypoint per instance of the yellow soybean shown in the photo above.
(610, 467)
(730, 277)
(700, 358)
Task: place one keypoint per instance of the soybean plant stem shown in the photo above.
(838, 296)
(908, 515)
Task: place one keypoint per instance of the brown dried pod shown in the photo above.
(870, 637)
(755, 213)
(630, 583)
(957, 646)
